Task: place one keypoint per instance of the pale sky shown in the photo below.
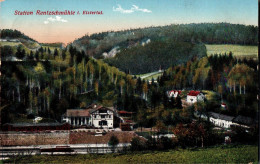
(118, 15)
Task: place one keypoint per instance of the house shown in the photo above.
(173, 93)
(223, 105)
(195, 96)
(221, 120)
(94, 115)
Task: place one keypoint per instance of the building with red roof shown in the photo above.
(195, 96)
(173, 93)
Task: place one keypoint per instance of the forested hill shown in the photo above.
(9, 33)
(207, 33)
(156, 55)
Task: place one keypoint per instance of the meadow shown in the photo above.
(237, 50)
(219, 154)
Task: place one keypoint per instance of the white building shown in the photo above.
(195, 96)
(221, 120)
(94, 115)
(102, 117)
(173, 93)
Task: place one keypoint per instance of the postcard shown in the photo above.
(132, 81)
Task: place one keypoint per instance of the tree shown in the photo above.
(121, 83)
(241, 74)
(113, 142)
(37, 55)
(96, 87)
(145, 91)
(136, 144)
(178, 102)
(31, 56)
(55, 53)
(49, 51)
(20, 53)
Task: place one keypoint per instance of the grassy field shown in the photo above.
(9, 43)
(220, 154)
(149, 76)
(237, 50)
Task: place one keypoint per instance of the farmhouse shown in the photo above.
(221, 120)
(94, 115)
(195, 96)
(173, 93)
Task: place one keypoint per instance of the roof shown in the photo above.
(90, 138)
(86, 112)
(174, 91)
(78, 112)
(244, 120)
(38, 124)
(221, 116)
(101, 108)
(194, 93)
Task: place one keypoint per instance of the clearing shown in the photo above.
(237, 50)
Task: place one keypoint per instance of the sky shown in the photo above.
(118, 15)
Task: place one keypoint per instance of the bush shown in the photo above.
(113, 142)
(30, 116)
(137, 144)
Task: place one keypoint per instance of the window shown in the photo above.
(103, 116)
(102, 123)
(109, 116)
(95, 116)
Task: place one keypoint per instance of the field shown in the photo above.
(220, 154)
(26, 46)
(9, 43)
(149, 76)
(237, 50)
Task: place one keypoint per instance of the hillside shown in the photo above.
(148, 44)
(156, 55)
(207, 33)
(12, 34)
(16, 46)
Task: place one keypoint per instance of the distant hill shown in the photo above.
(144, 55)
(208, 33)
(10, 34)
(15, 38)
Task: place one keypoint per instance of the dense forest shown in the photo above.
(156, 55)
(47, 88)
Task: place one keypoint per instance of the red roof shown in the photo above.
(179, 92)
(193, 93)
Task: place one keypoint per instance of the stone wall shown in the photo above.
(27, 139)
